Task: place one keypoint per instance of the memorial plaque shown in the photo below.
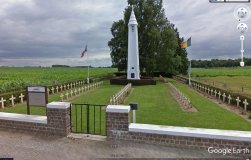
(36, 96)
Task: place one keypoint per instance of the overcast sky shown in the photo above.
(40, 32)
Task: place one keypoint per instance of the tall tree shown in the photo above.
(158, 39)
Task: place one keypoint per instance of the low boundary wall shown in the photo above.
(57, 122)
(119, 128)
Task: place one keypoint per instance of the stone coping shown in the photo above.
(118, 109)
(23, 118)
(59, 105)
(191, 132)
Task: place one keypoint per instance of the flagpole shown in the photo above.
(189, 73)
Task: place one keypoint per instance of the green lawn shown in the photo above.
(157, 106)
(97, 96)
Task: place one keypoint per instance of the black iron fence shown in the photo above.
(88, 119)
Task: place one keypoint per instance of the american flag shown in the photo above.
(83, 53)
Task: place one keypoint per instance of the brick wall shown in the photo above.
(57, 121)
(118, 128)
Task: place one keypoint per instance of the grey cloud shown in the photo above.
(39, 32)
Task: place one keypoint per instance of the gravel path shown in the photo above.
(23, 146)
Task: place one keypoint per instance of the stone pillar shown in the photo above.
(117, 121)
(59, 118)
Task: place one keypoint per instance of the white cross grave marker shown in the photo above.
(61, 88)
(2, 102)
(71, 85)
(224, 97)
(219, 94)
(76, 92)
(71, 93)
(229, 99)
(245, 104)
(215, 93)
(68, 86)
(57, 89)
(67, 95)
(62, 97)
(238, 101)
(64, 87)
(52, 90)
(79, 90)
(12, 99)
(48, 91)
(212, 91)
(21, 97)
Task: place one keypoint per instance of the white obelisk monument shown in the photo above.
(133, 71)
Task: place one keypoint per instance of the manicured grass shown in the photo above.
(157, 106)
(96, 113)
(99, 96)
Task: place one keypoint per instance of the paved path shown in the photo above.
(23, 146)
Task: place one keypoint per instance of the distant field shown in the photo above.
(12, 78)
(235, 79)
(214, 72)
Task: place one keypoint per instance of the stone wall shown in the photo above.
(57, 122)
(120, 128)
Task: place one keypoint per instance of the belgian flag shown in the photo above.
(186, 44)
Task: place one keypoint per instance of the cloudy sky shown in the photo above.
(39, 32)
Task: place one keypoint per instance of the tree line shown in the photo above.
(219, 63)
(159, 39)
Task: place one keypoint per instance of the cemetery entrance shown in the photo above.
(88, 119)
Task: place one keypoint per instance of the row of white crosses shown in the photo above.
(53, 90)
(12, 100)
(64, 87)
(78, 91)
(182, 98)
(219, 95)
(119, 97)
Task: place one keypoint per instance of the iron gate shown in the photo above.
(88, 119)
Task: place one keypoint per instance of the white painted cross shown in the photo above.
(67, 95)
(2, 102)
(62, 97)
(61, 88)
(85, 88)
(71, 93)
(74, 84)
(215, 93)
(224, 97)
(76, 92)
(57, 89)
(77, 83)
(71, 85)
(219, 94)
(229, 99)
(245, 104)
(212, 91)
(68, 86)
(21, 97)
(79, 90)
(64, 87)
(203, 88)
(12, 99)
(82, 88)
(48, 91)
(52, 90)
(238, 101)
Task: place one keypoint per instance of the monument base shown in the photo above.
(141, 82)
